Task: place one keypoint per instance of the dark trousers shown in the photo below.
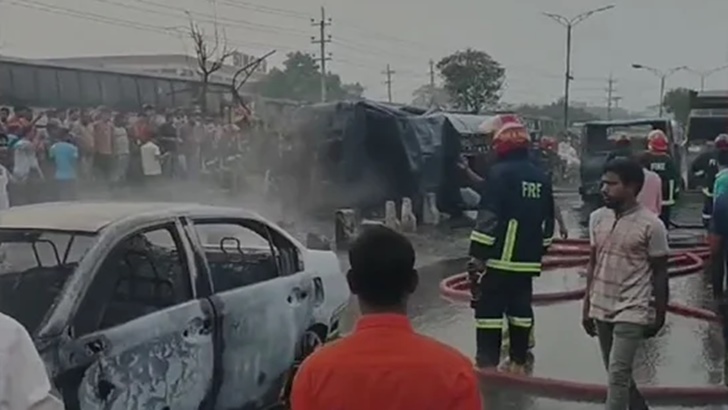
(104, 166)
(665, 216)
(707, 211)
(509, 294)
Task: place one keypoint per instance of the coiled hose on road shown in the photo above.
(685, 259)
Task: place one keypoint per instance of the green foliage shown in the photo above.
(473, 79)
(677, 103)
(300, 80)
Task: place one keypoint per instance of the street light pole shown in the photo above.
(569, 24)
(703, 74)
(567, 79)
(662, 75)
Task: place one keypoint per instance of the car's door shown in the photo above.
(141, 338)
(264, 301)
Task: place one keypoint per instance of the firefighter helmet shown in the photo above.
(657, 141)
(549, 143)
(508, 133)
(721, 142)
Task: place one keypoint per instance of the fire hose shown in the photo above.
(685, 259)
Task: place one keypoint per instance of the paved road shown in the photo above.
(687, 353)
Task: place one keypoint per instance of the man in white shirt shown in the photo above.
(151, 160)
(24, 383)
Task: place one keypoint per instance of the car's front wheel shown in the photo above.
(312, 339)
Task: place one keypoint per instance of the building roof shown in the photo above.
(91, 217)
(138, 59)
(124, 59)
(97, 69)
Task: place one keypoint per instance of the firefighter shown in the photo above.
(659, 161)
(706, 166)
(514, 228)
(622, 148)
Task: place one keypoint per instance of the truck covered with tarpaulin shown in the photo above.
(360, 154)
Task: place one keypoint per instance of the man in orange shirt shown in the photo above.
(384, 364)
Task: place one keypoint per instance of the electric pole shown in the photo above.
(616, 99)
(322, 40)
(610, 95)
(432, 83)
(388, 72)
(432, 74)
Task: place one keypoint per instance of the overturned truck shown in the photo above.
(361, 154)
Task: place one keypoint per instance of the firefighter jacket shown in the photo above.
(664, 166)
(705, 167)
(544, 160)
(515, 222)
(620, 152)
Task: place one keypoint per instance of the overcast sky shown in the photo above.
(369, 34)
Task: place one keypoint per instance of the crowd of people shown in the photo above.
(48, 155)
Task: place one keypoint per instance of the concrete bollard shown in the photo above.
(368, 224)
(390, 215)
(409, 220)
(344, 228)
(430, 213)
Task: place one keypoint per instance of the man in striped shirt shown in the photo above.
(627, 289)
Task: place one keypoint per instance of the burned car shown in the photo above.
(165, 306)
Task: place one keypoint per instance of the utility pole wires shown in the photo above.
(388, 72)
(322, 41)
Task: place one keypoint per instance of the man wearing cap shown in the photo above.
(514, 228)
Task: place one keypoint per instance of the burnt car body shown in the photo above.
(165, 306)
(597, 144)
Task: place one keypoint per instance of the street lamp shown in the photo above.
(662, 75)
(703, 74)
(570, 24)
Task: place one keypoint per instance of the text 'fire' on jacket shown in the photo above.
(516, 218)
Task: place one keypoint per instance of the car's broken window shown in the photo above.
(34, 267)
(237, 254)
(144, 273)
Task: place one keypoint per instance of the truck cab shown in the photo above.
(597, 141)
(707, 119)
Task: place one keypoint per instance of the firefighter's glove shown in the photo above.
(476, 270)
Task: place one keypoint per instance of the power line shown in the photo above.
(388, 72)
(322, 40)
(184, 14)
(98, 18)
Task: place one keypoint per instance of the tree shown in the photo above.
(210, 57)
(677, 103)
(300, 79)
(427, 96)
(472, 78)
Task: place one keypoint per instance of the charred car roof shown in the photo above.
(92, 217)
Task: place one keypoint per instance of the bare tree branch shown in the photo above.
(211, 54)
(248, 70)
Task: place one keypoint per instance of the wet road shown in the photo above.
(687, 353)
